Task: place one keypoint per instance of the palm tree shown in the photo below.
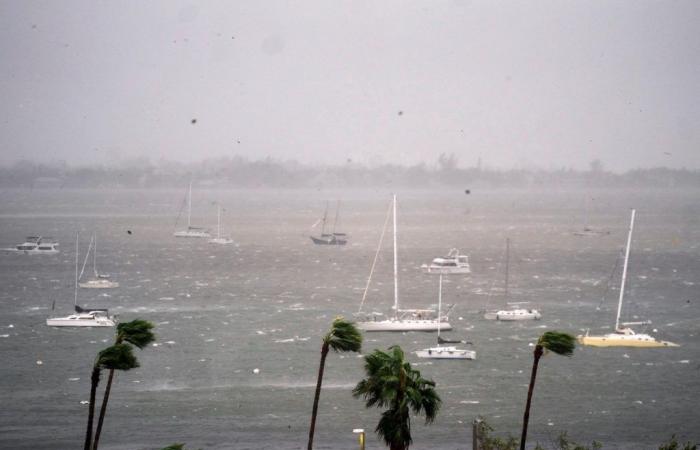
(138, 333)
(392, 383)
(551, 341)
(343, 336)
(116, 357)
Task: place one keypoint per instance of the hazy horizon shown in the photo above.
(545, 85)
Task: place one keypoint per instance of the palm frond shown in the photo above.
(344, 336)
(558, 342)
(117, 357)
(137, 332)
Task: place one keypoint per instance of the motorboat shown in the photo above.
(36, 245)
(453, 263)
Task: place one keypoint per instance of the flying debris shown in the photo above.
(128, 231)
(467, 191)
(194, 121)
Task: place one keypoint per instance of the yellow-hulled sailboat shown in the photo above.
(623, 336)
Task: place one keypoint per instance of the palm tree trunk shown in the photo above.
(95, 379)
(526, 417)
(314, 411)
(103, 410)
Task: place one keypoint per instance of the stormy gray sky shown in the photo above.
(520, 84)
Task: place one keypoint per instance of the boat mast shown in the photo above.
(218, 222)
(189, 207)
(75, 300)
(624, 272)
(396, 278)
(325, 216)
(439, 310)
(94, 255)
(337, 211)
(507, 266)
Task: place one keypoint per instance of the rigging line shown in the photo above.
(376, 256)
(179, 213)
(87, 255)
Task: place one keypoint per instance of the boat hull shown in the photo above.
(330, 240)
(446, 353)
(78, 322)
(617, 340)
(99, 284)
(192, 234)
(513, 316)
(403, 325)
(221, 241)
(445, 270)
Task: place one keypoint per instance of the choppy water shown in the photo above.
(222, 311)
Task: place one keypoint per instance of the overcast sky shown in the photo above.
(519, 84)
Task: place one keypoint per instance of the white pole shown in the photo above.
(624, 271)
(218, 222)
(439, 308)
(189, 207)
(94, 257)
(396, 270)
(75, 300)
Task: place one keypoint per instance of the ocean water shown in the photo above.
(264, 303)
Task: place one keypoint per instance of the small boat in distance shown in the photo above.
(36, 245)
(83, 317)
(446, 352)
(332, 238)
(453, 263)
(190, 231)
(515, 313)
(218, 239)
(403, 320)
(99, 280)
(623, 336)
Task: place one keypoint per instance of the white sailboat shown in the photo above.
(82, 317)
(191, 232)
(444, 352)
(403, 320)
(332, 238)
(515, 313)
(623, 336)
(99, 280)
(218, 239)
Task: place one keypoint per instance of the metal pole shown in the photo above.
(476, 438)
(361, 437)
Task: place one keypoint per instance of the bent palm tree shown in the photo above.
(138, 333)
(392, 383)
(343, 336)
(116, 357)
(552, 341)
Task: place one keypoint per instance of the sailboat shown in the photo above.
(191, 232)
(99, 280)
(515, 313)
(623, 336)
(446, 352)
(587, 230)
(83, 317)
(403, 320)
(332, 238)
(218, 239)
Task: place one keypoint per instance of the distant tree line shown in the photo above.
(245, 173)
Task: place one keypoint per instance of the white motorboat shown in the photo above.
(402, 320)
(453, 263)
(99, 280)
(190, 231)
(444, 352)
(515, 313)
(87, 319)
(83, 317)
(332, 238)
(623, 336)
(222, 240)
(36, 245)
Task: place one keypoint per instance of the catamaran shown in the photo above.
(515, 313)
(444, 352)
(191, 232)
(219, 239)
(402, 320)
(83, 317)
(332, 238)
(99, 280)
(35, 245)
(453, 263)
(623, 336)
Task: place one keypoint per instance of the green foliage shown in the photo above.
(343, 336)
(488, 442)
(137, 332)
(117, 357)
(391, 383)
(673, 444)
(174, 447)
(557, 342)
